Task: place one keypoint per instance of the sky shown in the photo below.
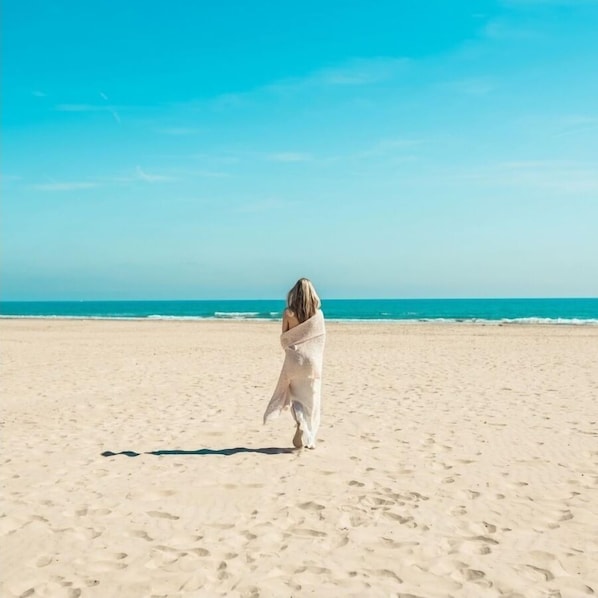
(213, 150)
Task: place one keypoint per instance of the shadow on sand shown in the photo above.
(224, 452)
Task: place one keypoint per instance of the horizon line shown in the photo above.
(282, 300)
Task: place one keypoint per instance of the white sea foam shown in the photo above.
(566, 321)
(258, 316)
(236, 315)
(465, 321)
(162, 317)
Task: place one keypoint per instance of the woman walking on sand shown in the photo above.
(300, 381)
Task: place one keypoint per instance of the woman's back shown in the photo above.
(289, 320)
(302, 304)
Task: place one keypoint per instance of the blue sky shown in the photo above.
(223, 149)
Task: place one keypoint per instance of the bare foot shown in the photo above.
(297, 439)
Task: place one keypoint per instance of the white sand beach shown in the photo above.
(452, 460)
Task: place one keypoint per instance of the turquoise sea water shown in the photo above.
(559, 311)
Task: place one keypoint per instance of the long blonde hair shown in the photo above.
(303, 300)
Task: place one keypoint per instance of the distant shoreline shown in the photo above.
(357, 322)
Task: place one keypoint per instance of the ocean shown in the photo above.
(539, 311)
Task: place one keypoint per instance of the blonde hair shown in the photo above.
(303, 300)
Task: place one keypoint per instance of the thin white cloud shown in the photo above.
(147, 177)
(579, 119)
(90, 108)
(64, 186)
(80, 108)
(5, 178)
(355, 72)
(362, 71)
(547, 175)
(574, 124)
(111, 109)
(137, 175)
(38, 94)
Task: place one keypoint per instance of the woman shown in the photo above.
(300, 381)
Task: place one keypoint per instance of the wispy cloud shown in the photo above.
(5, 178)
(139, 175)
(289, 157)
(147, 177)
(64, 185)
(80, 108)
(111, 109)
(547, 175)
(576, 123)
(38, 94)
(361, 71)
(90, 108)
(355, 72)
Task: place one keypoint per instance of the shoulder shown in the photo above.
(289, 315)
(289, 320)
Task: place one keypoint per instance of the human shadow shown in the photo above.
(227, 452)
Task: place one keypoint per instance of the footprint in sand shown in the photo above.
(408, 521)
(379, 502)
(566, 516)
(476, 545)
(535, 574)
(162, 515)
(471, 494)
(307, 533)
(387, 573)
(141, 534)
(311, 506)
(162, 556)
(222, 571)
(43, 561)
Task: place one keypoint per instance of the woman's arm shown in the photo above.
(285, 320)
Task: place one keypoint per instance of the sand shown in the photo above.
(453, 460)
